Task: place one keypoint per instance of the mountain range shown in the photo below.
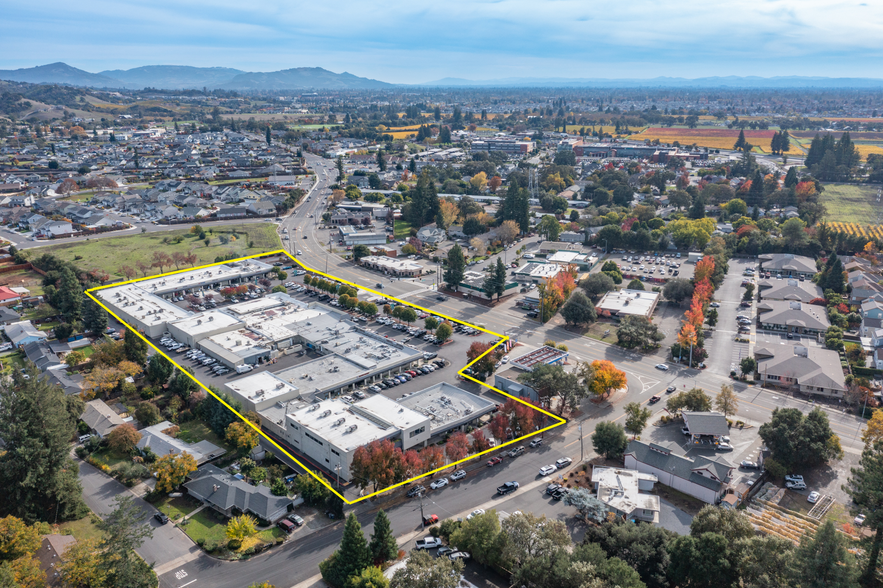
(179, 77)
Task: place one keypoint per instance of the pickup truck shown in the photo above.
(428, 543)
(507, 488)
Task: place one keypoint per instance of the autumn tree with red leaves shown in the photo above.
(457, 446)
(380, 463)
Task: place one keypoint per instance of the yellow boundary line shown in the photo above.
(503, 338)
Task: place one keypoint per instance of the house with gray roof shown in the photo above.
(705, 478)
(788, 264)
(225, 493)
(160, 439)
(811, 370)
(100, 418)
(789, 289)
(792, 317)
(23, 332)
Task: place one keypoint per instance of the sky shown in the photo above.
(416, 41)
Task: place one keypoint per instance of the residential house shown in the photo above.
(41, 354)
(809, 370)
(232, 212)
(229, 494)
(55, 229)
(8, 296)
(864, 286)
(789, 289)
(23, 332)
(7, 315)
(191, 212)
(705, 478)
(100, 418)
(52, 549)
(262, 208)
(431, 235)
(160, 438)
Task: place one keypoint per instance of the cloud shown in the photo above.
(416, 40)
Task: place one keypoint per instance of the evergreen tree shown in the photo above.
(815, 153)
(444, 134)
(159, 369)
(134, 347)
(740, 142)
(124, 531)
(499, 279)
(864, 487)
(456, 267)
(351, 558)
(381, 162)
(268, 135)
(38, 478)
(697, 210)
(784, 141)
(791, 178)
(424, 201)
(755, 193)
(94, 317)
(436, 113)
(383, 546)
(341, 176)
(775, 143)
(822, 561)
(412, 165)
(69, 296)
(516, 206)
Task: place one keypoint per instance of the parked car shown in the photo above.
(793, 478)
(440, 483)
(286, 526)
(749, 465)
(428, 543)
(296, 520)
(416, 491)
(507, 488)
(536, 442)
(444, 550)
(813, 497)
(458, 475)
(474, 513)
(162, 517)
(547, 470)
(494, 461)
(516, 452)
(563, 462)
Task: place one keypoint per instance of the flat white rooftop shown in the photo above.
(144, 307)
(566, 257)
(326, 373)
(203, 277)
(385, 410)
(264, 387)
(241, 343)
(446, 405)
(334, 422)
(635, 302)
(206, 322)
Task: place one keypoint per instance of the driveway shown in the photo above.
(724, 354)
(168, 545)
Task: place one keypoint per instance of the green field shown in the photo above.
(851, 204)
(111, 254)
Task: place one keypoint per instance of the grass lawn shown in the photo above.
(105, 456)
(596, 331)
(402, 229)
(47, 326)
(207, 525)
(177, 507)
(81, 529)
(113, 253)
(12, 361)
(850, 204)
(195, 431)
(87, 350)
(81, 197)
(24, 278)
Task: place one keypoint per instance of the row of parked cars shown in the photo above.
(408, 375)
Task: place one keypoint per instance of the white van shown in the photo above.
(244, 368)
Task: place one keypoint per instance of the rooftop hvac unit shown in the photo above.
(280, 385)
(314, 407)
(140, 308)
(339, 422)
(211, 318)
(325, 414)
(352, 428)
(198, 321)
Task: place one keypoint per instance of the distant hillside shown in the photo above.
(173, 77)
(59, 73)
(301, 78)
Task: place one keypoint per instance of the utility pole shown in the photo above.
(422, 516)
(581, 447)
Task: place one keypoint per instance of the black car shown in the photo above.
(559, 493)
(507, 488)
(162, 517)
(441, 298)
(416, 491)
(552, 488)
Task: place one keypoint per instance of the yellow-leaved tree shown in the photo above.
(171, 470)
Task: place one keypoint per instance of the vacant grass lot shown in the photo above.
(850, 204)
(195, 431)
(82, 529)
(113, 253)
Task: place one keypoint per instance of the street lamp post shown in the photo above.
(605, 246)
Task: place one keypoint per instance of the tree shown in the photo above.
(643, 547)
(147, 414)
(123, 439)
(748, 365)
(498, 280)
(68, 298)
(702, 562)
(636, 417)
(609, 439)
(38, 478)
(19, 544)
(241, 527)
(242, 436)
(726, 401)
(350, 559)
(478, 536)
(635, 285)
(508, 231)
(552, 382)
(81, 565)
(383, 546)
(637, 331)
(732, 524)
(135, 347)
(485, 365)
(370, 577)
(693, 400)
(606, 378)
(579, 310)
(430, 323)
(124, 531)
(456, 268)
(171, 470)
(597, 284)
(378, 462)
(864, 487)
(874, 430)
(589, 507)
(74, 358)
(360, 251)
(422, 570)
(94, 317)
(267, 135)
(822, 561)
(798, 440)
(678, 290)
(549, 227)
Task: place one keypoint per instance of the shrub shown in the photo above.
(201, 541)
(234, 544)
(81, 452)
(776, 469)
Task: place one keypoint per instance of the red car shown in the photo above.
(494, 461)
(430, 520)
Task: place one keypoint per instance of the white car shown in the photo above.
(299, 252)
(563, 462)
(547, 470)
(813, 497)
(441, 483)
(505, 359)
(528, 256)
(458, 475)
(474, 513)
(859, 520)
(662, 366)
(794, 478)
(714, 305)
